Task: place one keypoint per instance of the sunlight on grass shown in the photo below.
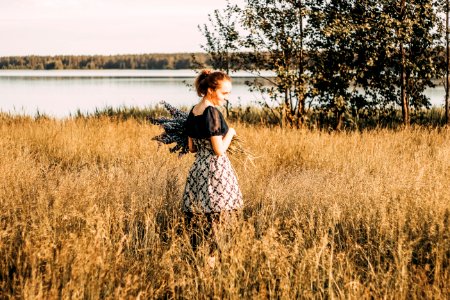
(90, 208)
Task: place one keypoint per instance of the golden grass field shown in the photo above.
(90, 209)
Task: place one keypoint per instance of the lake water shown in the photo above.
(60, 93)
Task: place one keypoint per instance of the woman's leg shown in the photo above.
(201, 228)
(213, 220)
(206, 227)
(191, 221)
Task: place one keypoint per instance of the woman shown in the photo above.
(211, 187)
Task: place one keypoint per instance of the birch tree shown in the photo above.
(401, 54)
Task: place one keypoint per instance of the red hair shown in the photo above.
(209, 80)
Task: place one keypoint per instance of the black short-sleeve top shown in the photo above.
(206, 125)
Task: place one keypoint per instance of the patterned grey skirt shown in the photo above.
(211, 185)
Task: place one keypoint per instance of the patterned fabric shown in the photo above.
(211, 185)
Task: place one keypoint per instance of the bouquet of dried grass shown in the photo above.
(174, 129)
(175, 132)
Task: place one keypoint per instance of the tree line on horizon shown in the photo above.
(155, 61)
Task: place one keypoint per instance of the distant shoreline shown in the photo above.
(115, 73)
(126, 74)
(149, 61)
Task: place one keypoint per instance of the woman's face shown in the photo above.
(219, 96)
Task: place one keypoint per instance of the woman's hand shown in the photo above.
(220, 144)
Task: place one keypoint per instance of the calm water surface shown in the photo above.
(63, 92)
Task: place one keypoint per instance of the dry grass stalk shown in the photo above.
(90, 209)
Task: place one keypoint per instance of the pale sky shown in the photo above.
(52, 27)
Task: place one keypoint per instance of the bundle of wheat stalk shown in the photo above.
(175, 132)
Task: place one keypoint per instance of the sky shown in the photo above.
(75, 27)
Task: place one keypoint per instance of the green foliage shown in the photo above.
(331, 34)
(411, 27)
(349, 58)
(271, 39)
(275, 36)
(383, 47)
(222, 38)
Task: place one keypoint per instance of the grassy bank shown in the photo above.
(90, 208)
(315, 118)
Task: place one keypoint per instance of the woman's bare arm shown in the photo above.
(220, 144)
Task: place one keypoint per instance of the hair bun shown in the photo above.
(205, 72)
(209, 79)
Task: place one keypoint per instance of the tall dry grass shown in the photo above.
(90, 208)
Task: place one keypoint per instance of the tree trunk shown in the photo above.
(403, 96)
(227, 70)
(301, 96)
(286, 108)
(447, 75)
(339, 120)
(300, 110)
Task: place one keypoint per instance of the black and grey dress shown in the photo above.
(211, 186)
